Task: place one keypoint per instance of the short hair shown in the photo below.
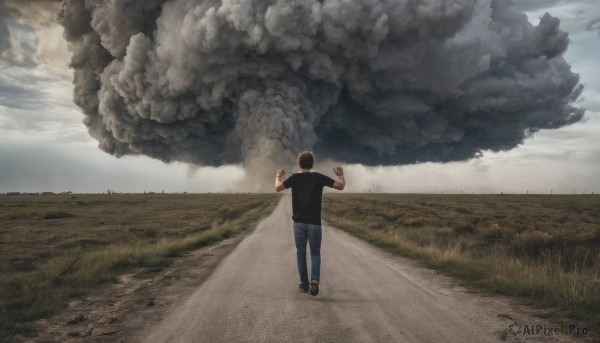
(306, 160)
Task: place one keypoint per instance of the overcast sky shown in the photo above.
(45, 147)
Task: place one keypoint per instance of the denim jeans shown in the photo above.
(312, 234)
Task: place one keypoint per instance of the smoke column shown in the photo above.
(377, 82)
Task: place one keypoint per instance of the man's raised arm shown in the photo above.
(341, 182)
(278, 183)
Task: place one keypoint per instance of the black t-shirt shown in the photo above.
(307, 192)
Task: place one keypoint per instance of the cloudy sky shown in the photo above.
(45, 147)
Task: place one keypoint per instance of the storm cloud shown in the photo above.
(38, 13)
(376, 82)
(4, 33)
(19, 20)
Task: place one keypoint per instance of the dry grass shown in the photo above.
(55, 248)
(544, 249)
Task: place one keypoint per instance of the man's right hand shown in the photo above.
(338, 171)
(280, 173)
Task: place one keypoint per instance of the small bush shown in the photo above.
(415, 219)
(374, 222)
(463, 229)
(532, 241)
(392, 213)
(144, 232)
(490, 233)
(58, 215)
(494, 232)
(586, 232)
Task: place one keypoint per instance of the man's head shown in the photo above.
(306, 160)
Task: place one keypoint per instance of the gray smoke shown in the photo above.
(213, 82)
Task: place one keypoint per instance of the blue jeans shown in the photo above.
(312, 234)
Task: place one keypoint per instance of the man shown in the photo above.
(307, 192)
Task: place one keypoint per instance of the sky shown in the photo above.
(45, 147)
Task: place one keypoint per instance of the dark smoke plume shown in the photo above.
(213, 82)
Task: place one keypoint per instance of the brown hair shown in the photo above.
(306, 160)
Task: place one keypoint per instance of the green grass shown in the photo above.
(543, 249)
(56, 248)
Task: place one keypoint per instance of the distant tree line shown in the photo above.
(35, 193)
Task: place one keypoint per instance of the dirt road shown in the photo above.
(366, 296)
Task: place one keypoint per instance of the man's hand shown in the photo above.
(341, 183)
(278, 183)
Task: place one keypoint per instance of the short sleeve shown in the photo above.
(326, 181)
(288, 182)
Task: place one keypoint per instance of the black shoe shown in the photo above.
(314, 287)
(303, 288)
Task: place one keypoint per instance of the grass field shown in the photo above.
(543, 249)
(58, 247)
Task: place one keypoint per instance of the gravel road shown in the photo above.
(366, 295)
